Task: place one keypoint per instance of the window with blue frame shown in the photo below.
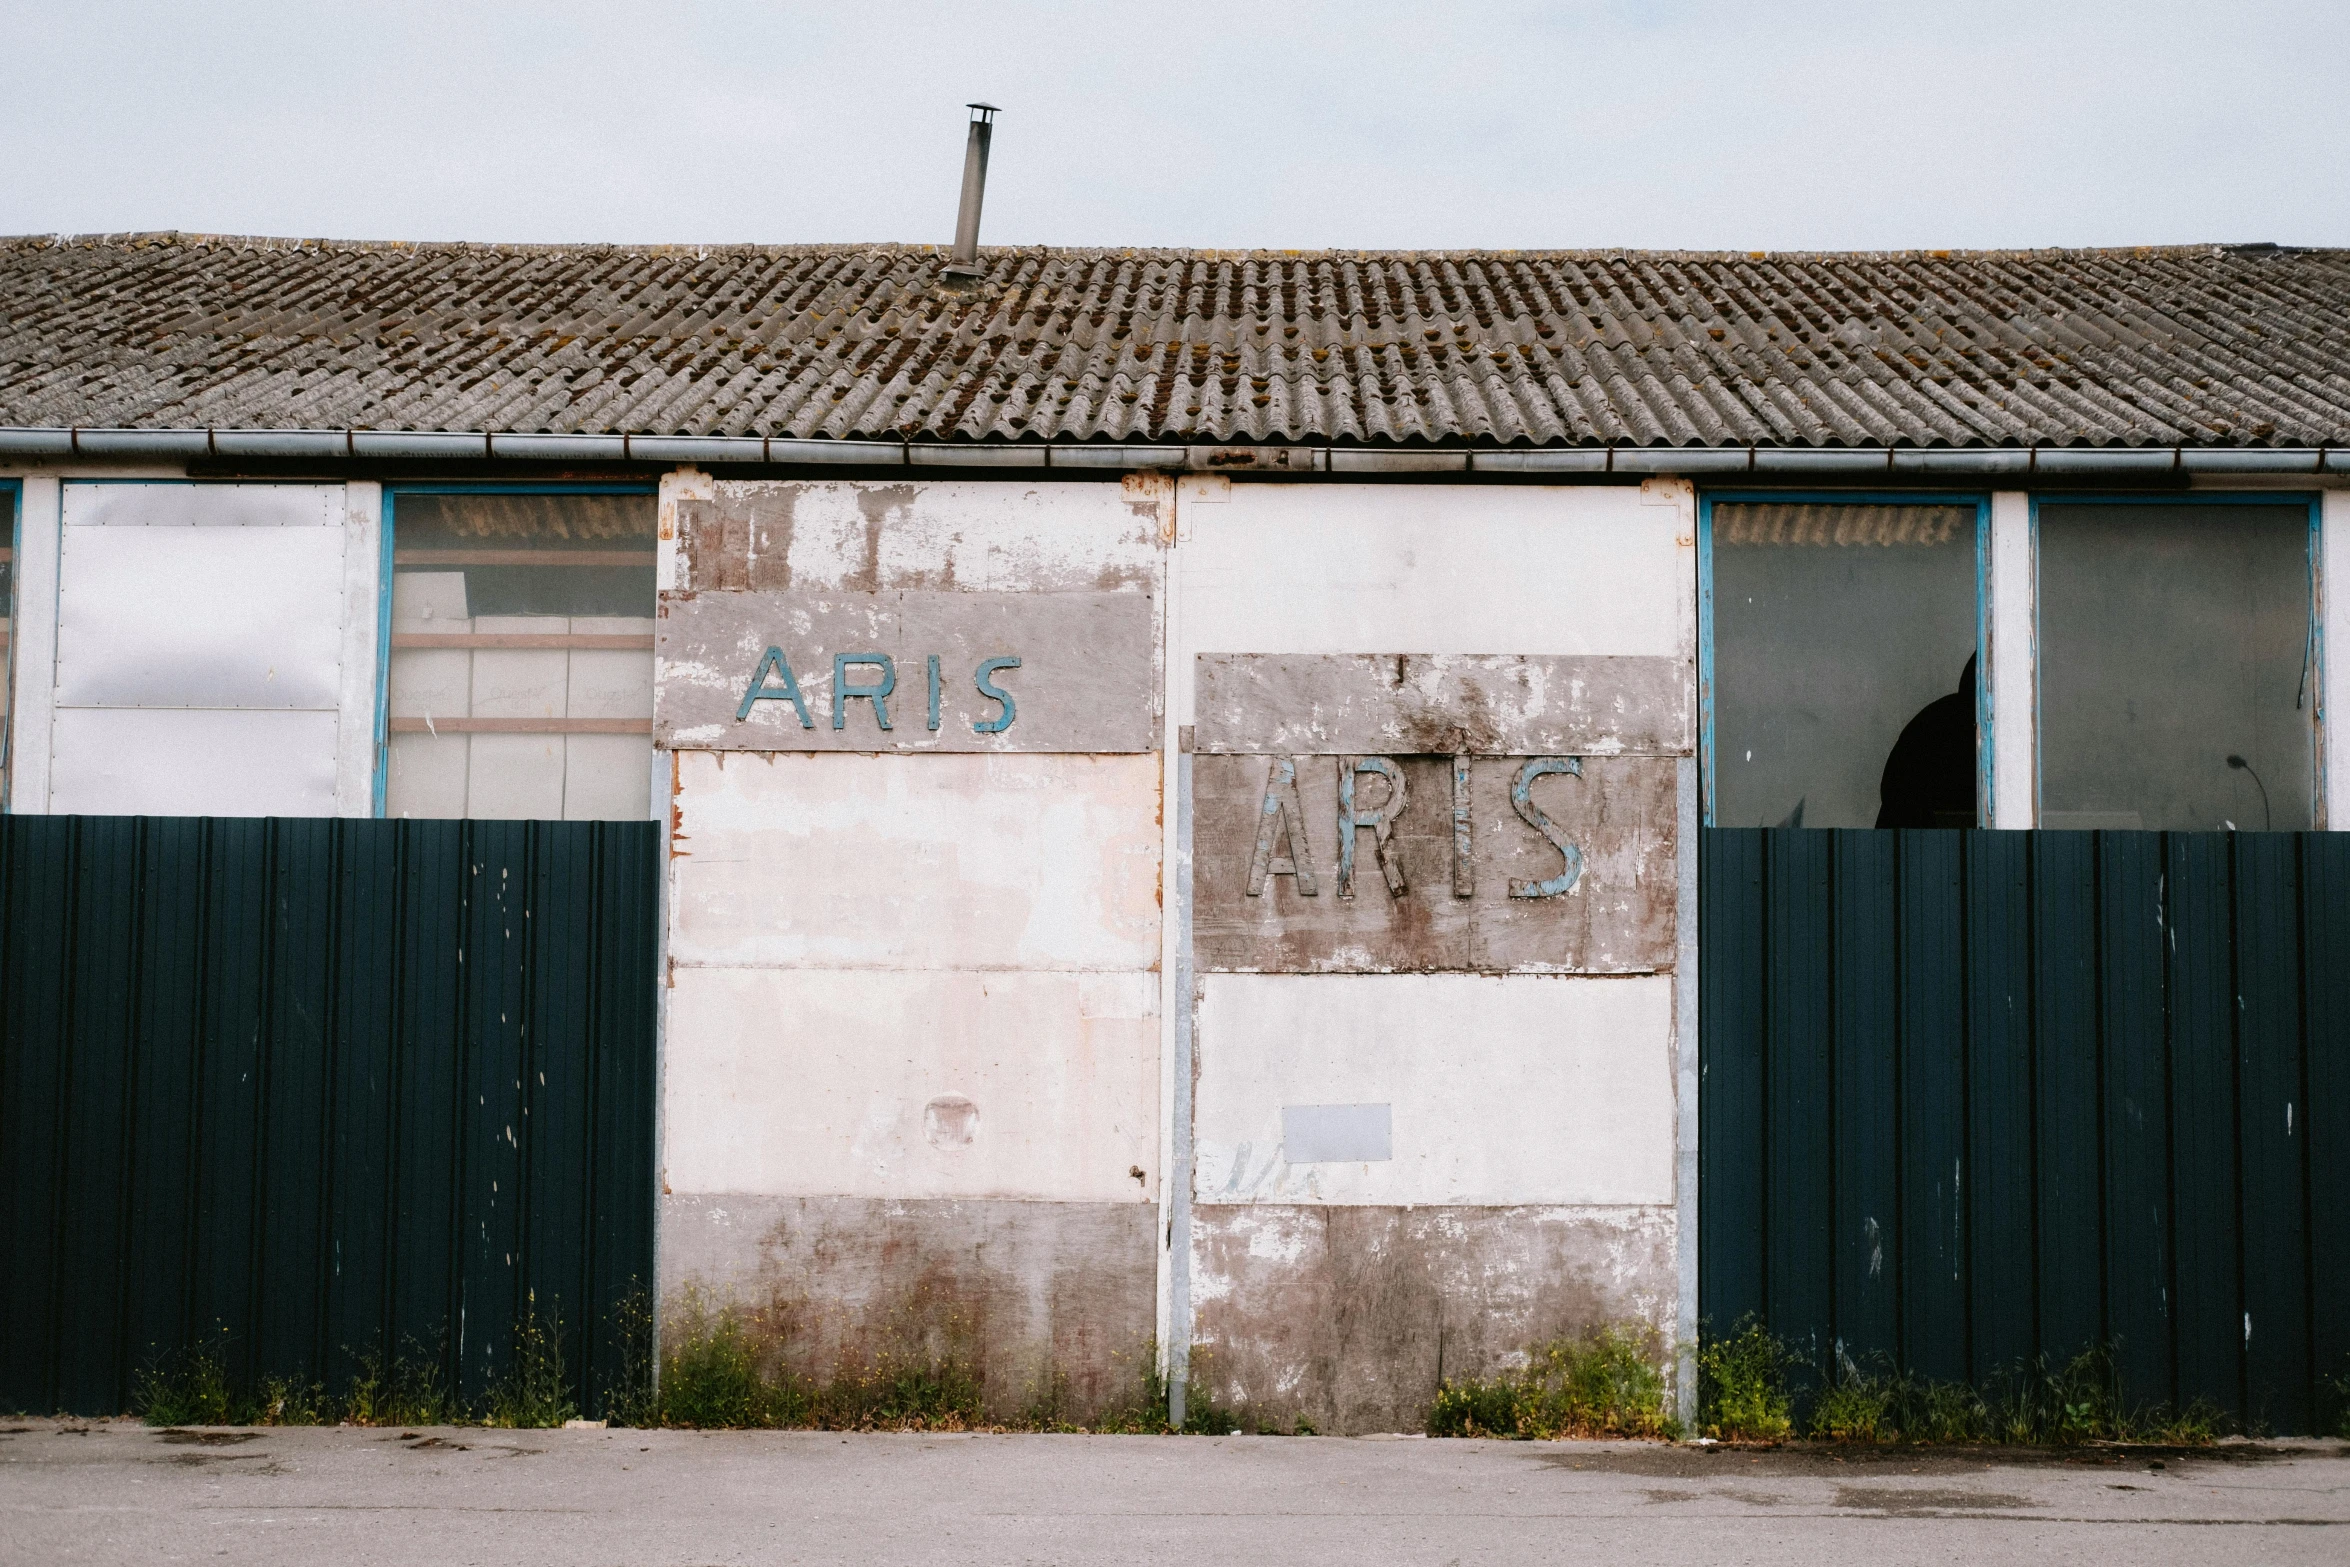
(2178, 666)
(1842, 640)
(8, 509)
(520, 675)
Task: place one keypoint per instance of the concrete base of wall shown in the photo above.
(1052, 1303)
(1352, 1316)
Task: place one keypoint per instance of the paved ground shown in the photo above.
(117, 1492)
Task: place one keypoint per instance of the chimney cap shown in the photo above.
(982, 111)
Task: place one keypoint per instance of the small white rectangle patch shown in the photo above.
(1337, 1134)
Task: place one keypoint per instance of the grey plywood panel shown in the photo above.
(1616, 917)
(1489, 704)
(1085, 680)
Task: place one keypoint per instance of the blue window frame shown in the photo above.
(393, 494)
(1974, 504)
(2161, 660)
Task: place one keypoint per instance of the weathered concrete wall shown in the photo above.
(922, 1012)
(1050, 1301)
(911, 1062)
(1351, 1316)
(1433, 1121)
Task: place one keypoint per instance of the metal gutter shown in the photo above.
(720, 450)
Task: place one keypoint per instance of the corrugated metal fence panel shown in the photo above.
(1973, 1098)
(333, 1088)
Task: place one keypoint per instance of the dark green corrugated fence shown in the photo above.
(327, 1088)
(1970, 1098)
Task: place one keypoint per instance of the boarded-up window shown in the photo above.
(2176, 667)
(204, 651)
(1843, 643)
(522, 656)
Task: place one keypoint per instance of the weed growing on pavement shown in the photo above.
(1742, 1386)
(1744, 1395)
(405, 1391)
(189, 1388)
(1607, 1383)
(535, 1389)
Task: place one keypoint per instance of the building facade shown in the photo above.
(1182, 774)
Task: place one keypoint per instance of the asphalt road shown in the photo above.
(117, 1492)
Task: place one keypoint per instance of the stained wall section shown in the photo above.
(1434, 1126)
(911, 1076)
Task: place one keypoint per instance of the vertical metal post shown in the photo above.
(964, 262)
(1686, 1090)
(1179, 1176)
(2008, 682)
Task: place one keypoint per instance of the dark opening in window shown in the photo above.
(1844, 641)
(2176, 667)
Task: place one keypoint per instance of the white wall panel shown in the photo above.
(911, 1085)
(2014, 656)
(200, 616)
(1273, 568)
(999, 861)
(355, 758)
(426, 773)
(1501, 1090)
(193, 762)
(607, 778)
(515, 777)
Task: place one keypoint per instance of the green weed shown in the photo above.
(535, 1390)
(710, 1375)
(189, 1388)
(405, 1392)
(1607, 1383)
(1742, 1386)
(1744, 1395)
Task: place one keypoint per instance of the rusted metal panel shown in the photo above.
(1048, 1304)
(1504, 705)
(907, 671)
(1351, 1317)
(1570, 864)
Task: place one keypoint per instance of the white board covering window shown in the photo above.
(201, 644)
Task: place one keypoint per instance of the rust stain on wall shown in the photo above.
(1351, 1317)
(1051, 1304)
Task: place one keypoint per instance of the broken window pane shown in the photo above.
(522, 657)
(2175, 683)
(1843, 665)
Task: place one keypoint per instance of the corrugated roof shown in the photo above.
(2192, 346)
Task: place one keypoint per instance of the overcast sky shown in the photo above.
(1737, 124)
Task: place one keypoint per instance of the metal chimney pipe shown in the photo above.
(965, 260)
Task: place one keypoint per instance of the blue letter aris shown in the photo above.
(988, 688)
(759, 691)
(843, 693)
